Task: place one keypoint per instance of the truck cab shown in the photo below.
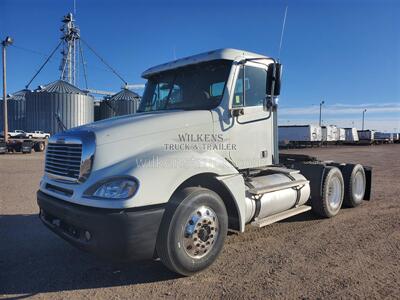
(198, 159)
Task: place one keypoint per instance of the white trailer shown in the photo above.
(341, 134)
(351, 135)
(299, 134)
(329, 133)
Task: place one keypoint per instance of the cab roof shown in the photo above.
(226, 53)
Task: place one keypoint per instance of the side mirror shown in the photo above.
(274, 79)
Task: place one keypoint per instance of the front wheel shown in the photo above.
(193, 231)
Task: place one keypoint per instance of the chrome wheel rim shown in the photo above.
(358, 185)
(334, 192)
(200, 232)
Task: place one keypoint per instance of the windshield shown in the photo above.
(199, 86)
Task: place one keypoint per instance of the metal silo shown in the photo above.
(123, 103)
(97, 116)
(16, 111)
(58, 106)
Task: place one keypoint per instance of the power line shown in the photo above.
(104, 62)
(83, 63)
(29, 50)
(282, 32)
(40, 69)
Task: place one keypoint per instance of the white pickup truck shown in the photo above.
(198, 159)
(37, 135)
(16, 134)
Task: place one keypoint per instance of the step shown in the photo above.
(280, 216)
(277, 187)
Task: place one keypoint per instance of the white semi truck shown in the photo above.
(200, 158)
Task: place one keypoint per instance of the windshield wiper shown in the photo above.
(170, 91)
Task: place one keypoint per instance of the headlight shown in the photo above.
(113, 188)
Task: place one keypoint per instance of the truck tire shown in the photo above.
(355, 183)
(193, 231)
(39, 147)
(330, 202)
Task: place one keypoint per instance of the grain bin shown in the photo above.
(124, 102)
(58, 106)
(16, 111)
(97, 116)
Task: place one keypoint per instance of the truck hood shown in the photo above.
(146, 124)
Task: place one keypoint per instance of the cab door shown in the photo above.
(250, 132)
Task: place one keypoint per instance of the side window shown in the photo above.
(217, 89)
(255, 83)
(238, 99)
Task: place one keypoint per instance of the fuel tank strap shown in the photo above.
(298, 193)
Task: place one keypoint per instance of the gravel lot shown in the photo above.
(354, 255)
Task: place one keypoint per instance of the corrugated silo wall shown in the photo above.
(16, 114)
(105, 110)
(110, 108)
(42, 108)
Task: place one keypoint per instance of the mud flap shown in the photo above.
(315, 174)
(368, 184)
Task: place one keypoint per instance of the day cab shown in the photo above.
(198, 159)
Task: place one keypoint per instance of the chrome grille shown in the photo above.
(64, 160)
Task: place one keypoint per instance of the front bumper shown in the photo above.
(116, 234)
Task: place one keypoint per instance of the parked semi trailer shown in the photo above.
(383, 138)
(396, 137)
(329, 134)
(351, 135)
(299, 135)
(366, 136)
(340, 135)
(200, 158)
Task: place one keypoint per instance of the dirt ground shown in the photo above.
(354, 255)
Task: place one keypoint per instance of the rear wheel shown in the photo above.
(330, 202)
(355, 183)
(39, 147)
(193, 231)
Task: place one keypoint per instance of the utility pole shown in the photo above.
(364, 111)
(320, 112)
(8, 41)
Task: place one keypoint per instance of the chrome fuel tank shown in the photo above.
(277, 201)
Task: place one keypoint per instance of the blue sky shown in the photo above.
(346, 53)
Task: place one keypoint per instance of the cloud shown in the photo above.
(379, 116)
(336, 109)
